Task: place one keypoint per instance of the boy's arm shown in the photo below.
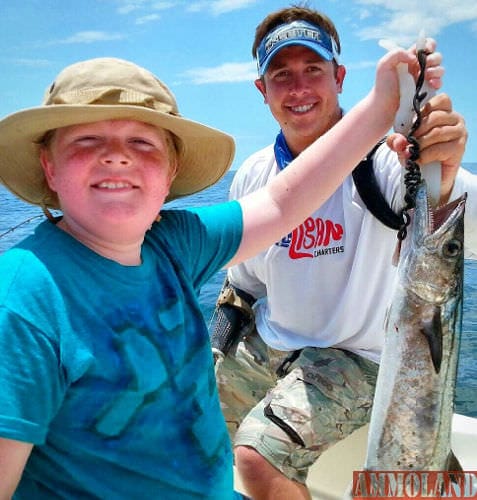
(13, 457)
(306, 183)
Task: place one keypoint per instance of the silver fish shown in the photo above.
(410, 427)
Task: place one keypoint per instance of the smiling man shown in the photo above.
(300, 79)
(304, 377)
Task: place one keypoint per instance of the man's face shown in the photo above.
(302, 91)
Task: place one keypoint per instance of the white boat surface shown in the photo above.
(332, 474)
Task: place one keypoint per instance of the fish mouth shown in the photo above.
(445, 214)
(442, 226)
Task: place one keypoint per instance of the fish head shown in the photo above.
(433, 263)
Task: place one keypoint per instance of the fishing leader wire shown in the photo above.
(412, 177)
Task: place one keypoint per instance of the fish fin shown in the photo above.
(453, 465)
(432, 330)
(454, 468)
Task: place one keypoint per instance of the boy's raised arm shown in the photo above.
(316, 173)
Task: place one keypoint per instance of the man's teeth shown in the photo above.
(302, 109)
(113, 185)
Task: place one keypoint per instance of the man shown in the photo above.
(304, 378)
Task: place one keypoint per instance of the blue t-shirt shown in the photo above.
(107, 369)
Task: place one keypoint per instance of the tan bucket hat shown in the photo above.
(105, 89)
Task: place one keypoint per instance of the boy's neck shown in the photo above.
(126, 254)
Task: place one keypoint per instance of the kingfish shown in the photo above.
(410, 427)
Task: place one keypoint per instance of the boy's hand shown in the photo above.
(434, 70)
(385, 95)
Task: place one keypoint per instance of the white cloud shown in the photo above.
(146, 10)
(145, 7)
(364, 14)
(163, 5)
(128, 6)
(402, 21)
(218, 7)
(225, 73)
(88, 37)
(148, 19)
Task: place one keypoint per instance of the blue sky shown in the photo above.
(202, 51)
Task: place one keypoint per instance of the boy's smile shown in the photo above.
(111, 177)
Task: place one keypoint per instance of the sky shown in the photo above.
(202, 51)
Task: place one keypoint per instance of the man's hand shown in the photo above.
(442, 137)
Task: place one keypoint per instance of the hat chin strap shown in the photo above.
(47, 213)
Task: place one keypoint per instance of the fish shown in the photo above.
(410, 424)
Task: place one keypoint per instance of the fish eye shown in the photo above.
(452, 248)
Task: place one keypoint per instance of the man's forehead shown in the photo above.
(292, 53)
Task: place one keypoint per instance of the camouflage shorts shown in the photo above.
(324, 396)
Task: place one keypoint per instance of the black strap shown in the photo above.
(365, 181)
(282, 370)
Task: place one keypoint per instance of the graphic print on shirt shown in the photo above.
(153, 384)
(315, 237)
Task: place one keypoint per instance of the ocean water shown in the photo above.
(18, 219)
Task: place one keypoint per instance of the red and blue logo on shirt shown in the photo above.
(314, 238)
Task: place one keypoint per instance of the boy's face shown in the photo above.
(111, 177)
(302, 91)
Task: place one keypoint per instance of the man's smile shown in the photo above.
(301, 109)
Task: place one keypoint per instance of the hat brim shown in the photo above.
(205, 156)
(312, 45)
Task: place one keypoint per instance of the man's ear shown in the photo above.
(340, 76)
(260, 84)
